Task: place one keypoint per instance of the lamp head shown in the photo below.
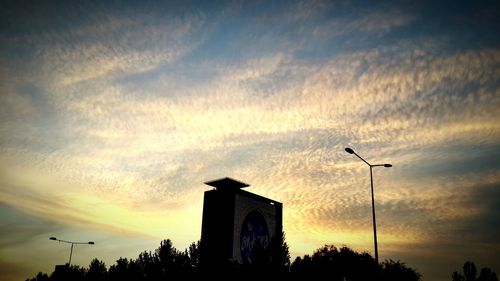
(387, 165)
(349, 150)
(52, 238)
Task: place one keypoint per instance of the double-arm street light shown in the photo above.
(349, 150)
(72, 243)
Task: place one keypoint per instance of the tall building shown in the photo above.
(239, 226)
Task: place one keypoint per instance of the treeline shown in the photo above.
(330, 262)
(470, 273)
(346, 264)
(168, 263)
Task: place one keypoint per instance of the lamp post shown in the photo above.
(350, 151)
(72, 243)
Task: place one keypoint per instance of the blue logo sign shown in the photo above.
(254, 235)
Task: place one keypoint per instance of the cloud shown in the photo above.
(134, 51)
(444, 215)
(18, 229)
(118, 120)
(21, 231)
(372, 24)
(11, 271)
(75, 207)
(228, 118)
(101, 46)
(484, 225)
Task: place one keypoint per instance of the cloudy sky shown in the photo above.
(113, 114)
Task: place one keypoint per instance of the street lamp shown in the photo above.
(350, 151)
(72, 243)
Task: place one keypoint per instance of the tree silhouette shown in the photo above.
(97, 271)
(150, 266)
(338, 265)
(283, 255)
(194, 255)
(455, 276)
(487, 275)
(168, 263)
(166, 255)
(396, 270)
(470, 272)
(39, 277)
(123, 271)
(345, 264)
(174, 263)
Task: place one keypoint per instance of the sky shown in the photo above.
(114, 113)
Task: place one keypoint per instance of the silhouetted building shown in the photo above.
(239, 226)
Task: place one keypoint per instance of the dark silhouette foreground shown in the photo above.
(346, 264)
(168, 263)
(470, 274)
